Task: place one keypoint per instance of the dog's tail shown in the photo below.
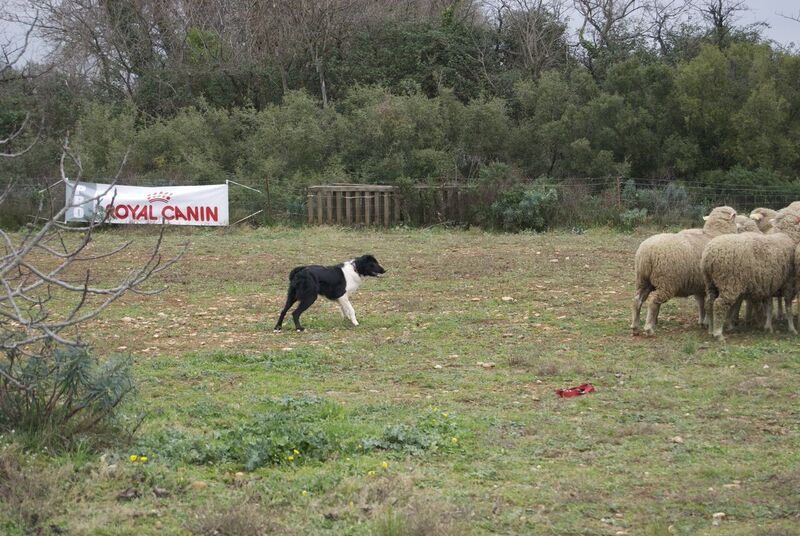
(295, 271)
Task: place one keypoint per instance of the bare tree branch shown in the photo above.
(40, 303)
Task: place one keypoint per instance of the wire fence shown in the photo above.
(583, 201)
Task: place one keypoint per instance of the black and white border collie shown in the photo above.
(333, 282)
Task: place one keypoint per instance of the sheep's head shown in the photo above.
(746, 225)
(762, 217)
(721, 220)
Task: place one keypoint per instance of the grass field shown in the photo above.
(397, 428)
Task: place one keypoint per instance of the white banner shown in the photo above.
(174, 205)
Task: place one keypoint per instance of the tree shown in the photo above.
(11, 53)
(721, 16)
(609, 31)
(532, 33)
(47, 297)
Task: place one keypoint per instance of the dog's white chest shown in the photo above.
(351, 277)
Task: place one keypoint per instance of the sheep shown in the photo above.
(756, 266)
(746, 225)
(793, 207)
(668, 265)
(762, 217)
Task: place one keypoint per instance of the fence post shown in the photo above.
(397, 200)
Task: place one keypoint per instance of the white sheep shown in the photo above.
(746, 225)
(668, 265)
(750, 265)
(762, 217)
(793, 207)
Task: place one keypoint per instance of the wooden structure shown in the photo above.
(373, 204)
(353, 204)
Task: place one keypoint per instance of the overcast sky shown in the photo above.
(781, 30)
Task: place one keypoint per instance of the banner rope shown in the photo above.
(247, 217)
(228, 181)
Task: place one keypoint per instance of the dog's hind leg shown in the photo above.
(305, 302)
(290, 299)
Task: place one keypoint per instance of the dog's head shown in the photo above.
(367, 265)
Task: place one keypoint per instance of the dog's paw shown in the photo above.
(277, 330)
(300, 330)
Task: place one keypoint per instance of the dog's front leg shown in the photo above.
(347, 309)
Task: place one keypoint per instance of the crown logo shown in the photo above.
(163, 197)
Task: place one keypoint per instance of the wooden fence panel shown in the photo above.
(370, 204)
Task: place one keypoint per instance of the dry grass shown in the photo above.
(525, 461)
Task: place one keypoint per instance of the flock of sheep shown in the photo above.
(731, 260)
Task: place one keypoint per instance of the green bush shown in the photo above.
(525, 207)
(631, 218)
(70, 394)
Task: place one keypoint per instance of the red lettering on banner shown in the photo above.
(167, 213)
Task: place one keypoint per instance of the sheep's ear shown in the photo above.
(705, 218)
(772, 221)
(733, 215)
(756, 216)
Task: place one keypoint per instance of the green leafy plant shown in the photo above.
(68, 393)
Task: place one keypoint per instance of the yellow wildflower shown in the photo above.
(444, 414)
(143, 459)
(290, 458)
(304, 493)
(385, 465)
(133, 458)
(454, 440)
(296, 452)
(371, 473)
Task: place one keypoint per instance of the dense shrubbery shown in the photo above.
(444, 100)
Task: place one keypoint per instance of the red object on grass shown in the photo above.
(576, 391)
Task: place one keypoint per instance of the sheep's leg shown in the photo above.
(711, 296)
(733, 314)
(638, 301)
(748, 315)
(781, 312)
(768, 322)
(789, 315)
(701, 308)
(722, 306)
(658, 297)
